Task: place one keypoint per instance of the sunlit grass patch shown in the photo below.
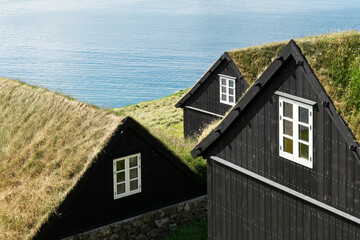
(190, 231)
(165, 122)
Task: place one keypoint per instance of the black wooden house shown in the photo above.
(212, 96)
(67, 167)
(134, 173)
(283, 164)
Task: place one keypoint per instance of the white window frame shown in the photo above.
(227, 87)
(295, 121)
(127, 169)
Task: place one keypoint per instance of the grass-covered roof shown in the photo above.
(46, 142)
(335, 60)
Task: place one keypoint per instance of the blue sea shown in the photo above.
(120, 52)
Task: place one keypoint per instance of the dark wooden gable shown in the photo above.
(294, 86)
(165, 180)
(248, 137)
(202, 103)
(205, 94)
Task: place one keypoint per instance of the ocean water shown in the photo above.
(116, 53)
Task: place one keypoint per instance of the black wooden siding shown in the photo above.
(91, 203)
(243, 208)
(207, 97)
(252, 143)
(195, 121)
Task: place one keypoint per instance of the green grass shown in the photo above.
(190, 231)
(165, 122)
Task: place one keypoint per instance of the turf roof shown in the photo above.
(47, 141)
(335, 60)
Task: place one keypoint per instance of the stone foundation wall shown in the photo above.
(151, 225)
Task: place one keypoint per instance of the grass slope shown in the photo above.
(46, 142)
(190, 231)
(335, 60)
(165, 122)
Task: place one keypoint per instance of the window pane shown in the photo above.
(120, 165)
(288, 127)
(223, 89)
(133, 173)
(133, 185)
(231, 83)
(288, 145)
(288, 110)
(303, 133)
(120, 177)
(223, 81)
(120, 188)
(304, 151)
(303, 115)
(133, 161)
(231, 99)
(231, 91)
(223, 97)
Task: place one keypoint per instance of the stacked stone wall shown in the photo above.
(152, 225)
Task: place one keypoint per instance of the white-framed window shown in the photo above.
(296, 131)
(227, 89)
(127, 175)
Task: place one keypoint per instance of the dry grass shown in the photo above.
(47, 141)
(335, 59)
(165, 122)
(208, 129)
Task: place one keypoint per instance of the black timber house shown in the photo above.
(283, 164)
(67, 167)
(212, 96)
(134, 174)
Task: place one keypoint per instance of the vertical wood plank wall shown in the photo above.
(243, 208)
(252, 143)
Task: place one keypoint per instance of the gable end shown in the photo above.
(199, 83)
(290, 50)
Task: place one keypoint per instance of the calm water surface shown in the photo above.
(116, 53)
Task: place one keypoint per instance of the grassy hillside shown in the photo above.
(165, 122)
